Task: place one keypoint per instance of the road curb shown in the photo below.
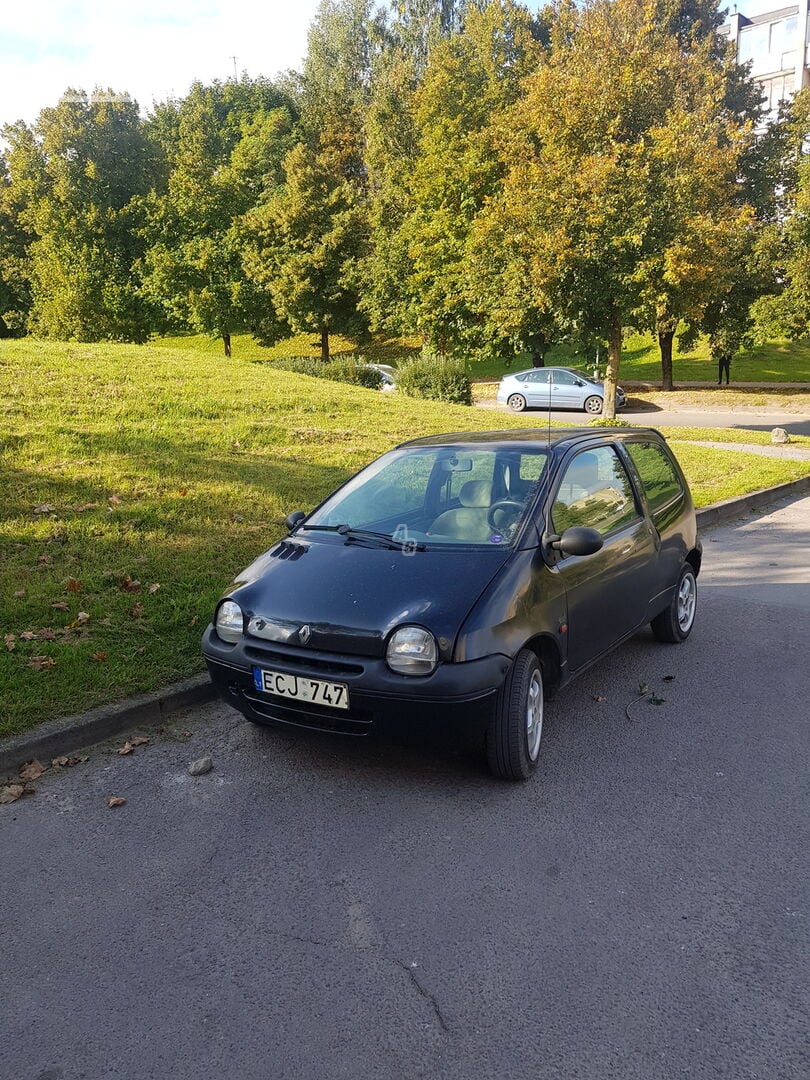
(58, 737)
(729, 509)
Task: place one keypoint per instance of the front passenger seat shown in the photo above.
(469, 521)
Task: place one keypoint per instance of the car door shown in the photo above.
(565, 391)
(607, 593)
(537, 388)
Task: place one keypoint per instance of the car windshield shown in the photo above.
(437, 495)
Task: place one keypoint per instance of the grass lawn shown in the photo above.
(774, 362)
(137, 480)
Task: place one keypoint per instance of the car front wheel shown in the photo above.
(676, 622)
(514, 734)
(592, 405)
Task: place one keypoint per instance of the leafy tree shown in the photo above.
(304, 240)
(470, 79)
(785, 309)
(15, 285)
(223, 145)
(73, 178)
(618, 176)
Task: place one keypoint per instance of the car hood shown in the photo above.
(351, 596)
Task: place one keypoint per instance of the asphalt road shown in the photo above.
(748, 417)
(325, 909)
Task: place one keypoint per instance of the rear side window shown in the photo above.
(658, 476)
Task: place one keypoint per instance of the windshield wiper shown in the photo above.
(350, 533)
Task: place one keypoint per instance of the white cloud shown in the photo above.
(151, 51)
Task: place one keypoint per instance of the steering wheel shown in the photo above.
(512, 508)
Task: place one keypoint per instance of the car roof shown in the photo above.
(557, 367)
(533, 438)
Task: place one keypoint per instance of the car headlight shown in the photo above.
(412, 651)
(229, 622)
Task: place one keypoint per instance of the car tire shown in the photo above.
(514, 733)
(675, 623)
(516, 402)
(593, 405)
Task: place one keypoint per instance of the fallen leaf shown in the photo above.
(65, 762)
(106, 573)
(19, 594)
(153, 588)
(114, 500)
(86, 506)
(40, 663)
(127, 748)
(28, 635)
(99, 656)
(182, 491)
(643, 689)
(60, 605)
(32, 770)
(83, 757)
(194, 620)
(598, 697)
(656, 700)
(46, 634)
(82, 617)
(44, 559)
(140, 740)
(45, 508)
(10, 642)
(12, 792)
(115, 800)
(74, 585)
(129, 584)
(669, 678)
(136, 611)
(140, 651)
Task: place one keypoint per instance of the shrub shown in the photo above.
(437, 378)
(345, 369)
(608, 421)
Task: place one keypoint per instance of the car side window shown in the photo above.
(538, 376)
(564, 378)
(657, 473)
(595, 491)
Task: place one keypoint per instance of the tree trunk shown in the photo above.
(226, 341)
(612, 373)
(324, 345)
(665, 344)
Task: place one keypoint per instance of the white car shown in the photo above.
(387, 375)
(555, 388)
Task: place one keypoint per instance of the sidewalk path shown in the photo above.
(776, 450)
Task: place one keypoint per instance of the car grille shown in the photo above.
(309, 662)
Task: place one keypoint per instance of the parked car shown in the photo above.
(469, 575)
(555, 388)
(387, 373)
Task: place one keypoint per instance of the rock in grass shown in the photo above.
(200, 766)
(779, 435)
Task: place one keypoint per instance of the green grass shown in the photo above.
(775, 362)
(165, 468)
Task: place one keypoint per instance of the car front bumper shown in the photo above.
(463, 691)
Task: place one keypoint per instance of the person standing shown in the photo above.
(724, 367)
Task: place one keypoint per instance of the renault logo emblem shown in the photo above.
(304, 634)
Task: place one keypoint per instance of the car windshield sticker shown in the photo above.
(496, 538)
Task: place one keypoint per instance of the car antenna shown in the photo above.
(550, 392)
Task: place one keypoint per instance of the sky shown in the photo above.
(149, 49)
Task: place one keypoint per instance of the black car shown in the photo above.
(470, 574)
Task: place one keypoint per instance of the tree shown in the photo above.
(785, 309)
(73, 176)
(15, 285)
(304, 240)
(617, 179)
(224, 146)
(470, 80)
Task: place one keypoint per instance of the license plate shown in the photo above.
(302, 688)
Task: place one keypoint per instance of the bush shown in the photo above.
(608, 421)
(345, 369)
(437, 378)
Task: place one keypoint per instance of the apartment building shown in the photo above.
(777, 43)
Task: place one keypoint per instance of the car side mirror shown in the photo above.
(295, 518)
(579, 540)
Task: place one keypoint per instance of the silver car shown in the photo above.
(555, 388)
